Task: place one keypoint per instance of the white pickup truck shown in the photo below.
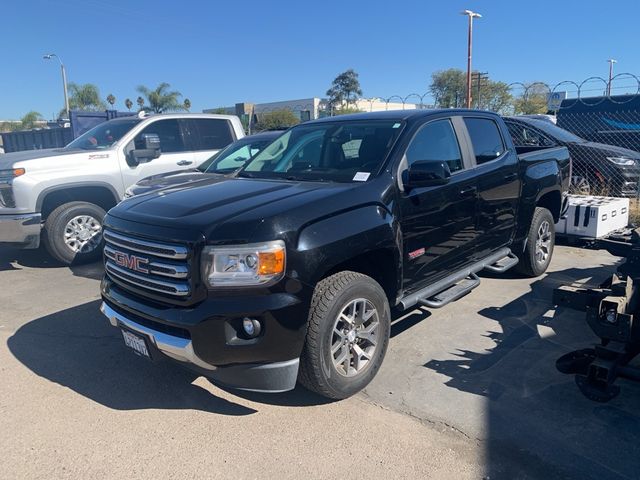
(60, 196)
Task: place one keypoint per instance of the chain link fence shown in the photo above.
(597, 119)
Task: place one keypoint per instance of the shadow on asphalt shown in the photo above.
(16, 259)
(538, 423)
(79, 349)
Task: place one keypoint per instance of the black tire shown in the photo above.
(54, 233)
(530, 265)
(331, 296)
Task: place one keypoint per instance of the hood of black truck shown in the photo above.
(233, 209)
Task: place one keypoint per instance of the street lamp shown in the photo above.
(611, 62)
(471, 16)
(49, 56)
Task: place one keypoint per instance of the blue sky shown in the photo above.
(223, 52)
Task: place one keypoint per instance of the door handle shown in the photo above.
(510, 177)
(183, 163)
(468, 191)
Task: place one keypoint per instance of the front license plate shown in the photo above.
(137, 343)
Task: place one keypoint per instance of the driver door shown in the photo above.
(438, 222)
(173, 152)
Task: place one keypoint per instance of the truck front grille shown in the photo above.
(145, 265)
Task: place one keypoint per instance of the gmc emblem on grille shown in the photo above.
(132, 262)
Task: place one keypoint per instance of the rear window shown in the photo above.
(485, 138)
(211, 133)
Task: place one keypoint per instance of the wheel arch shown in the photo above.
(98, 193)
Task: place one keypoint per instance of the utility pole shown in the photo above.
(611, 62)
(471, 16)
(480, 77)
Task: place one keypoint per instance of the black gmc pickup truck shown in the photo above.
(290, 268)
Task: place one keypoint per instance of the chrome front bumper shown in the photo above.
(178, 348)
(22, 230)
(267, 377)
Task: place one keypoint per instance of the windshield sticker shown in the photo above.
(396, 125)
(361, 177)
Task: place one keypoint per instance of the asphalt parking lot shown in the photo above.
(468, 391)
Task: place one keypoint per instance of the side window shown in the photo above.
(437, 142)
(169, 133)
(485, 138)
(211, 133)
(524, 136)
(235, 159)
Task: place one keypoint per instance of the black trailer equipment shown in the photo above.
(613, 313)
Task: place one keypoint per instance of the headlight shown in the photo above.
(622, 161)
(243, 265)
(11, 173)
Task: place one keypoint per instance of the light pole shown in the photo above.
(611, 62)
(471, 16)
(49, 56)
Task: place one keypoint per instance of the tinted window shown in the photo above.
(169, 133)
(525, 136)
(485, 138)
(211, 134)
(436, 142)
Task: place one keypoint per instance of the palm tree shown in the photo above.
(128, 103)
(187, 104)
(161, 99)
(140, 102)
(85, 97)
(29, 120)
(111, 99)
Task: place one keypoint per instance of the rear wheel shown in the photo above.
(73, 232)
(347, 336)
(540, 243)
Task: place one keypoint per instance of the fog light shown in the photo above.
(251, 327)
(611, 316)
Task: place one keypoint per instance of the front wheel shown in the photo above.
(73, 232)
(541, 240)
(347, 335)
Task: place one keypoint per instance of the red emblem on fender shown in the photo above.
(416, 253)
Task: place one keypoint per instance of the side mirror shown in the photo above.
(427, 173)
(150, 149)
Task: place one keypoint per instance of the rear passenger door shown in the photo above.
(439, 222)
(207, 136)
(497, 174)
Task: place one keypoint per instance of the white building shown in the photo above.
(312, 108)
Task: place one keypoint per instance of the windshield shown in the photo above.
(342, 151)
(556, 132)
(103, 136)
(234, 156)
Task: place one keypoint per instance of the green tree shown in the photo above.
(111, 99)
(85, 97)
(161, 99)
(344, 89)
(128, 103)
(219, 111)
(30, 120)
(448, 88)
(533, 100)
(276, 120)
(345, 111)
(140, 102)
(187, 104)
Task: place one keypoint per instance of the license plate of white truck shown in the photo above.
(136, 343)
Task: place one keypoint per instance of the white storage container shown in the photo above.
(594, 217)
